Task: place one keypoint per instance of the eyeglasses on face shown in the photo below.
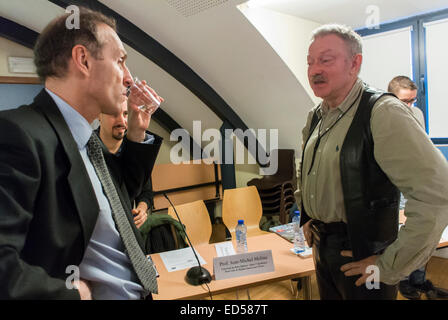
(409, 101)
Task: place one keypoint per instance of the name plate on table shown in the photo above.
(243, 264)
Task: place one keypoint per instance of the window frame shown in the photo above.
(418, 45)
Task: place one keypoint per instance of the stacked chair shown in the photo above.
(277, 191)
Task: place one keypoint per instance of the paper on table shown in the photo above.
(180, 259)
(224, 249)
(308, 251)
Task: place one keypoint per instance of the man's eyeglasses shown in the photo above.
(409, 101)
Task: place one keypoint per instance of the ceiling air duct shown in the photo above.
(189, 8)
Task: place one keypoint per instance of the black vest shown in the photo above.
(371, 200)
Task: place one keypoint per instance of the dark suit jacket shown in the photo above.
(147, 194)
(48, 207)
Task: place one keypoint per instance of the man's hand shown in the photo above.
(84, 289)
(140, 214)
(358, 267)
(307, 233)
(138, 119)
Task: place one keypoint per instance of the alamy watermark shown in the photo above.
(373, 280)
(73, 278)
(257, 145)
(72, 21)
(373, 17)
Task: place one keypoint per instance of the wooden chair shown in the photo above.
(242, 203)
(195, 217)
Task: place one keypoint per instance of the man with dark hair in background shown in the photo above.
(406, 90)
(112, 132)
(63, 200)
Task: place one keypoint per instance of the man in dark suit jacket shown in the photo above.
(112, 131)
(52, 212)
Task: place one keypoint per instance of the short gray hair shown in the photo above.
(351, 38)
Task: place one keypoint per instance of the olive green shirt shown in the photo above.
(406, 155)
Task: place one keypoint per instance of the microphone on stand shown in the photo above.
(195, 275)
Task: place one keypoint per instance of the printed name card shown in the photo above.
(243, 264)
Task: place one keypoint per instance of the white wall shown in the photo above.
(11, 49)
(288, 35)
(164, 153)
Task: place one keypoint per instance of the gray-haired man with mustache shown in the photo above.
(360, 148)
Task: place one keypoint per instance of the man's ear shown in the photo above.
(356, 63)
(80, 59)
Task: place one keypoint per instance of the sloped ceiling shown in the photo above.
(223, 48)
(220, 45)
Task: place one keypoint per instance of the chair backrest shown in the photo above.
(242, 203)
(194, 216)
(286, 165)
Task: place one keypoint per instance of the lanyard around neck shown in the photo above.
(320, 135)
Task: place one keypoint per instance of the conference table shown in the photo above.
(172, 285)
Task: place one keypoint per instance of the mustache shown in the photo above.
(318, 78)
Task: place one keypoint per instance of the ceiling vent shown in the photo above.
(189, 8)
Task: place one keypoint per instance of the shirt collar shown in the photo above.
(349, 99)
(78, 125)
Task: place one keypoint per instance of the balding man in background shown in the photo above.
(416, 283)
(406, 90)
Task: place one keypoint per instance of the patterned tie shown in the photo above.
(144, 268)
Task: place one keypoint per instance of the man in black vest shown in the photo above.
(360, 148)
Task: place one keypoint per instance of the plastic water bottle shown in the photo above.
(241, 241)
(299, 237)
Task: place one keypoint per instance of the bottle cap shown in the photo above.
(240, 221)
(297, 213)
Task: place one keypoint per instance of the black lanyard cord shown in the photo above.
(319, 135)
